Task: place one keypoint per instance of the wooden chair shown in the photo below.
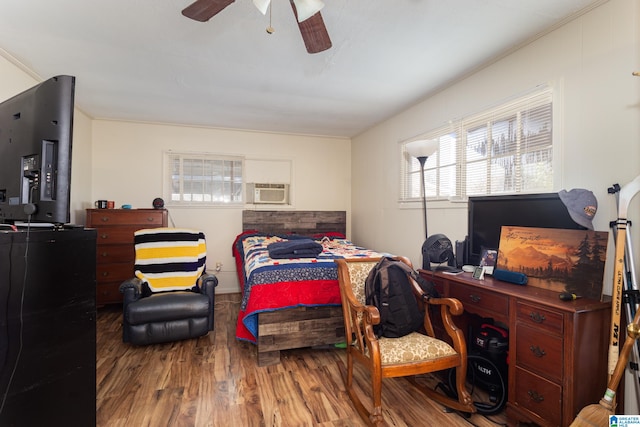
(413, 354)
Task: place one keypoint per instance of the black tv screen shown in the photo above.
(36, 129)
(487, 214)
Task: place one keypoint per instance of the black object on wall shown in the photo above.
(487, 214)
(47, 328)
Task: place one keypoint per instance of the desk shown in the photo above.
(557, 349)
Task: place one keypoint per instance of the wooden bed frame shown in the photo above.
(302, 326)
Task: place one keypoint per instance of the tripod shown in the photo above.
(630, 294)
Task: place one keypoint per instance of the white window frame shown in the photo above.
(220, 184)
(446, 170)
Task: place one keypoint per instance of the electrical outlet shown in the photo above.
(218, 265)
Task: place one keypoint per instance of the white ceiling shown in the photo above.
(142, 60)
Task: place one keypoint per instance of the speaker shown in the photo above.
(510, 276)
(461, 252)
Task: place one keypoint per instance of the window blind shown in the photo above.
(203, 179)
(505, 149)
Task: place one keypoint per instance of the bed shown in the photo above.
(291, 303)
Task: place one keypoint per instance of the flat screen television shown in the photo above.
(36, 128)
(487, 214)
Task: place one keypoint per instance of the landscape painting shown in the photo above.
(562, 260)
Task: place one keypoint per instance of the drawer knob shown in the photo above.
(537, 317)
(104, 219)
(104, 236)
(105, 254)
(105, 274)
(475, 298)
(537, 351)
(150, 218)
(535, 396)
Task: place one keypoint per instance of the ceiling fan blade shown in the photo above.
(203, 10)
(313, 31)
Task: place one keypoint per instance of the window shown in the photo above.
(203, 179)
(505, 150)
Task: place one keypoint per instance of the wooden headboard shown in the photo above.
(297, 222)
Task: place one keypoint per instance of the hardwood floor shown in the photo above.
(215, 381)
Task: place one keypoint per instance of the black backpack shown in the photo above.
(388, 288)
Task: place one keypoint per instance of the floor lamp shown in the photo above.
(421, 150)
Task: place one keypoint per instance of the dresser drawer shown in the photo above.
(539, 317)
(107, 254)
(140, 217)
(538, 395)
(481, 302)
(115, 235)
(116, 272)
(108, 293)
(539, 352)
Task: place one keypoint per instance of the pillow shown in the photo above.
(169, 259)
(330, 235)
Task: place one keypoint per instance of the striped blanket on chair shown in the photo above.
(169, 259)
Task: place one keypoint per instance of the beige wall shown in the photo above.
(122, 161)
(128, 164)
(588, 62)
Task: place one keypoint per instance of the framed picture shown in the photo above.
(559, 259)
(488, 260)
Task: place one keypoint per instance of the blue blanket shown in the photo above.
(297, 248)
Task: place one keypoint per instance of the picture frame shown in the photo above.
(488, 260)
(561, 260)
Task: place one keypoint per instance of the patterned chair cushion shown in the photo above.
(169, 259)
(414, 347)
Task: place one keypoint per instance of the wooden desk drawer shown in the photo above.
(538, 395)
(539, 317)
(539, 352)
(481, 302)
(107, 254)
(142, 217)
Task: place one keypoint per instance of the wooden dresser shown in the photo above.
(557, 349)
(115, 253)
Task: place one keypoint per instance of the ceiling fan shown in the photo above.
(307, 13)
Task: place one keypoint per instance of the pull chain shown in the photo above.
(270, 29)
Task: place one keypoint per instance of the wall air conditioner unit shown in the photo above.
(275, 194)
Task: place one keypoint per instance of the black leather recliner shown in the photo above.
(154, 315)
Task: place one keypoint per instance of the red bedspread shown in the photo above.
(275, 284)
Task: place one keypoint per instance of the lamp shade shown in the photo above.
(422, 147)
(307, 8)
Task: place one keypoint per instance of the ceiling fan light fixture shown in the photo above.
(306, 8)
(262, 5)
